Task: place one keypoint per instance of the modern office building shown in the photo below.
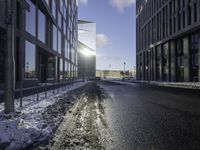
(168, 40)
(86, 49)
(46, 39)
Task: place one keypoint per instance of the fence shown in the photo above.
(43, 88)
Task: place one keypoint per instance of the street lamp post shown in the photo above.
(9, 59)
(124, 70)
(109, 71)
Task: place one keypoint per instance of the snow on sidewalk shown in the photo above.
(187, 85)
(27, 125)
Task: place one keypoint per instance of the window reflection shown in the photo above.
(66, 69)
(51, 67)
(59, 42)
(54, 8)
(55, 38)
(30, 18)
(47, 1)
(61, 68)
(59, 20)
(41, 26)
(30, 71)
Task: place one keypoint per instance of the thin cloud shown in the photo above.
(122, 4)
(84, 2)
(102, 40)
(104, 57)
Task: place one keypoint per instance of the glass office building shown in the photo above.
(86, 49)
(168, 40)
(46, 38)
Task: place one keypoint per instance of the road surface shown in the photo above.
(143, 117)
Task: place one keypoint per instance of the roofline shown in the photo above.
(84, 21)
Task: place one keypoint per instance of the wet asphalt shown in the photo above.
(144, 117)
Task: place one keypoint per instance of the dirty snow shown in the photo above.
(27, 126)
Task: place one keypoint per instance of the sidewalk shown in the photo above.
(187, 85)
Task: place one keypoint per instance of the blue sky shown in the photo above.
(115, 20)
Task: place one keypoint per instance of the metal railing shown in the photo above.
(43, 89)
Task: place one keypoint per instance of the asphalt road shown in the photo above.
(142, 117)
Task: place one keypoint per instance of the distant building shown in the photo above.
(168, 40)
(45, 40)
(86, 49)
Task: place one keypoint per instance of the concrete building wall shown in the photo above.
(177, 24)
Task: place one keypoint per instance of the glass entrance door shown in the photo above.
(46, 67)
(42, 67)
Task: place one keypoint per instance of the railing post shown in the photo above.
(45, 89)
(58, 87)
(53, 88)
(21, 93)
(65, 84)
(62, 85)
(38, 93)
(68, 84)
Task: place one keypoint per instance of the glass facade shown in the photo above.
(45, 49)
(86, 50)
(31, 19)
(30, 69)
(174, 22)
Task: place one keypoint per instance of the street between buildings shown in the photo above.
(110, 115)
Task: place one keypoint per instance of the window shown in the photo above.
(41, 26)
(54, 8)
(30, 71)
(47, 1)
(64, 27)
(59, 20)
(158, 62)
(66, 49)
(61, 6)
(189, 13)
(59, 42)
(195, 12)
(51, 67)
(55, 36)
(2, 47)
(194, 57)
(66, 69)
(69, 70)
(180, 60)
(61, 68)
(30, 18)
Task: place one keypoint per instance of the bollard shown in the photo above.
(21, 93)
